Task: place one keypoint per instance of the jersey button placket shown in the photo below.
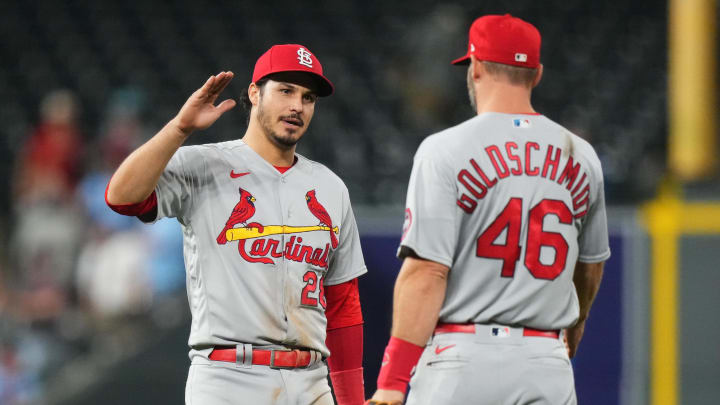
(282, 202)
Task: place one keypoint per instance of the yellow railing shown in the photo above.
(667, 219)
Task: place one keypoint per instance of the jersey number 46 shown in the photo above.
(509, 252)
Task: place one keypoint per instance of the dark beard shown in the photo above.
(286, 142)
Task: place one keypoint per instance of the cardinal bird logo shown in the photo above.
(255, 241)
(321, 214)
(243, 211)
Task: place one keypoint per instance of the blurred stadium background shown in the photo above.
(92, 305)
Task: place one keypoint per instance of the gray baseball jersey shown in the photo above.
(510, 203)
(259, 245)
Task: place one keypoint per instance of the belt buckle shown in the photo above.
(272, 359)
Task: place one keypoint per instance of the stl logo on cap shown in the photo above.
(305, 57)
(292, 58)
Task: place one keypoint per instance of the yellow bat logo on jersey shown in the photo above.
(253, 232)
(263, 249)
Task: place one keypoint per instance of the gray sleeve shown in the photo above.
(347, 261)
(430, 229)
(175, 188)
(593, 241)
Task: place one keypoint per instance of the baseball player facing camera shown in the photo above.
(504, 241)
(272, 251)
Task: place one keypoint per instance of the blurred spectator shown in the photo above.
(112, 274)
(37, 288)
(120, 133)
(166, 266)
(16, 386)
(80, 276)
(47, 229)
(123, 264)
(51, 159)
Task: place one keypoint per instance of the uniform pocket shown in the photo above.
(555, 358)
(550, 361)
(445, 353)
(446, 363)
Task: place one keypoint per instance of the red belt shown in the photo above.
(470, 328)
(273, 358)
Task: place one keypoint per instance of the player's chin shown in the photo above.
(288, 138)
(295, 132)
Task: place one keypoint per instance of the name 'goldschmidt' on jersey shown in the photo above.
(511, 159)
(528, 198)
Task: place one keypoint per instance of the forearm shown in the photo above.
(139, 173)
(418, 296)
(417, 300)
(587, 280)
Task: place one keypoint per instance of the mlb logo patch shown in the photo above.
(521, 123)
(501, 332)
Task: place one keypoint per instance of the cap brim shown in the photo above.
(465, 60)
(324, 85)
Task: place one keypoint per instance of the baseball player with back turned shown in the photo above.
(504, 241)
(272, 251)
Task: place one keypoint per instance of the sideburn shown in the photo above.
(471, 88)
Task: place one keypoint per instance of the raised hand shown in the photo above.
(200, 111)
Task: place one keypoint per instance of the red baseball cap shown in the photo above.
(292, 58)
(503, 39)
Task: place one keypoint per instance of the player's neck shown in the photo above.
(502, 98)
(273, 154)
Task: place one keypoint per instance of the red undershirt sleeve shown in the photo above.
(145, 210)
(345, 342)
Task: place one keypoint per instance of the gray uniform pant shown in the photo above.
(223, 383)
(494, 367)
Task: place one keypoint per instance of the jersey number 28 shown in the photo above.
(511, 219)
(307, 296)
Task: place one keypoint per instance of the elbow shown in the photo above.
(146, 209)
(438, 272)
(425, 269)
(110, 197)
(113, 196)
(119, 194)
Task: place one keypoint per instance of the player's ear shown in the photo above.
(254, 94)
(538, 75)
(476, 68)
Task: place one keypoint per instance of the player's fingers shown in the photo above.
(203, 92)
(205, 89)
(224, 82)
(222, 79)
(226, 106)
(218, 77)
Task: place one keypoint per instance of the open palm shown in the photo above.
(200, 111)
